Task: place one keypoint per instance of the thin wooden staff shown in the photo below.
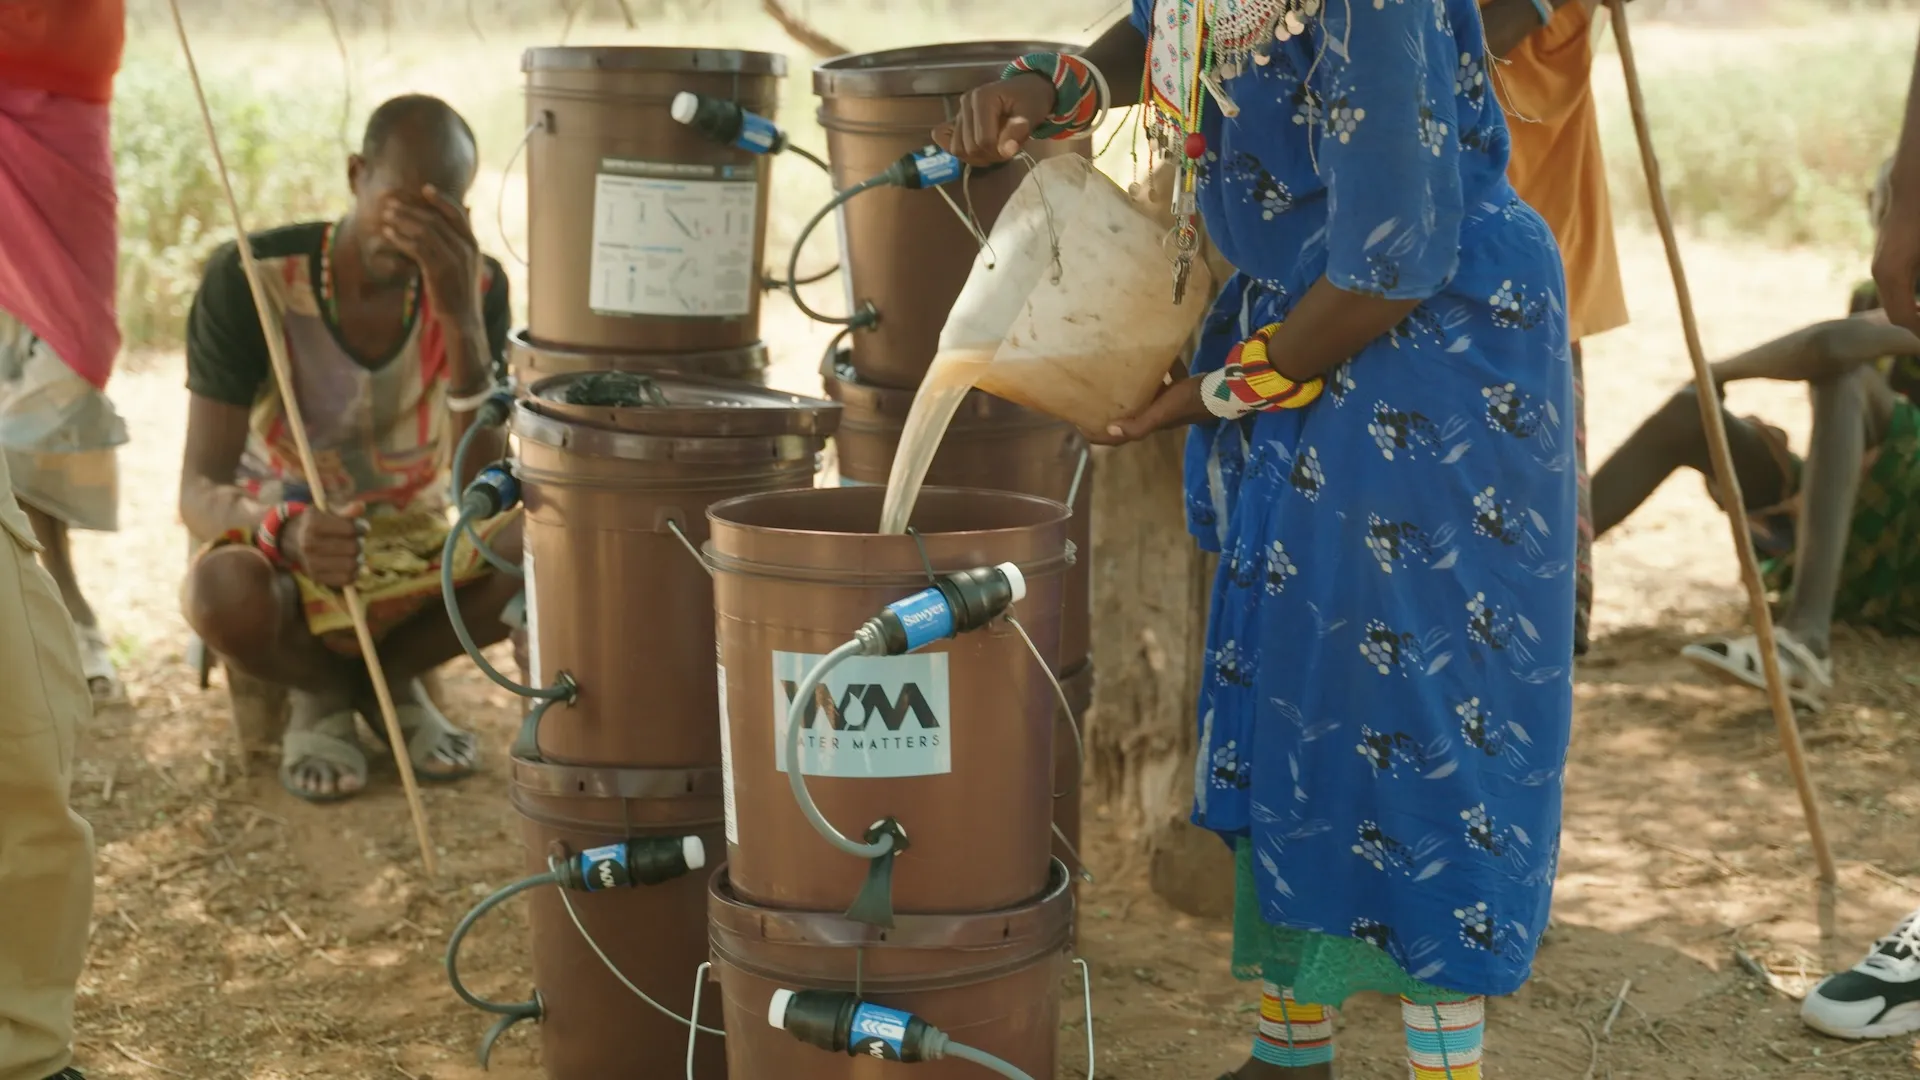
(1722, 455)
(283, 376)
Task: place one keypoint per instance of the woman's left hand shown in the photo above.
(1177, 406)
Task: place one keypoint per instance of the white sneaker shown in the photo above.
(1879, 998)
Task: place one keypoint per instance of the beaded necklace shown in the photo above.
(1226, 36)
(332, 306)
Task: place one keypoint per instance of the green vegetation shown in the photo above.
(284, 160)
(1771, 134)
(1779, 145)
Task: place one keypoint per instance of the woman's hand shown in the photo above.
(1177, 406)
(996, 120)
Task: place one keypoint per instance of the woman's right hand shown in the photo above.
(325, 547)
(996, 120)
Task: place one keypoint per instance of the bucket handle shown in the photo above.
(1086, 996)
(546, 121)
(670, 517)
(693, 1012)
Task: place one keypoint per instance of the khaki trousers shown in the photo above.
(46, 850)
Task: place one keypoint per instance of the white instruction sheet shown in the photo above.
(666, 243)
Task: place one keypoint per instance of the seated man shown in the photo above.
(1838, 534)
(395, 327)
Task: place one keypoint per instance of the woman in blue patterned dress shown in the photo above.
(1380, 451)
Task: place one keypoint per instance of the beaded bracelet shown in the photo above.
(1080, 93)
(266, 535)
(1248, 383)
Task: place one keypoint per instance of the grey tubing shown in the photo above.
(983, 1059)
(797, 781)
(460, 932)
(564, 689)
(460, 469)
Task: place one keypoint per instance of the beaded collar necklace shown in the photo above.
(330, 304)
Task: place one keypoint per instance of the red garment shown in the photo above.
(59, 234)
(66, 47)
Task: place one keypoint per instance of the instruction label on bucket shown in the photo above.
(890, 716)
(673, 239)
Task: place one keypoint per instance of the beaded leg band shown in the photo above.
(1292, 1035)
(1443, 1041)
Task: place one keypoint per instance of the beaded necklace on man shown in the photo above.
(411, 305)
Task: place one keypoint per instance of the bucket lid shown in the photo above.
(923, 70)
(647, 59)
(524, 351)
(678, 405)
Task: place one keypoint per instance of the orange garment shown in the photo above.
(71, 48)
(1557, 166)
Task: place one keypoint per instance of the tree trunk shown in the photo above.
(1151, 585)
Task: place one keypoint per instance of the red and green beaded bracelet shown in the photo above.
(1079, 92)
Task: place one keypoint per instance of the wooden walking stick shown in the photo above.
(1722, 455)
(283, 376)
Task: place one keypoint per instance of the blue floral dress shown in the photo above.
(1388, 681)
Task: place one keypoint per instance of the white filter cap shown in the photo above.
(685, 105)
(777, 1009)
(694, 852)
(1015, 579)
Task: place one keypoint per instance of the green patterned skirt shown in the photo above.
(1880, 579)
(1321, 969)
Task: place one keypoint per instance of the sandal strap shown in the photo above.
(426, 731)
(329, 740)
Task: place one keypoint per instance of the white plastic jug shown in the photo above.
(1087, 338)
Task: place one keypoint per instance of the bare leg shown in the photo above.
(250, 614)
(58, 559)
(1671, 439)
(1850, 413)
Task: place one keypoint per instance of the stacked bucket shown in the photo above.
(964, 920)
(639, 404)
(909, 254)
(684, 577)
(645, 239)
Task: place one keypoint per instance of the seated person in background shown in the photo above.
(395, 327)
(1839, 533)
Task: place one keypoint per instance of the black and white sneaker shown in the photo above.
(1879, 998)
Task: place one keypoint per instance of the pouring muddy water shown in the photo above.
(1066, 311)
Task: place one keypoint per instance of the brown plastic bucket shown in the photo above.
(991, 981)
(964, 755)
(615, 599)
(643, 235)
(531, 363)
(591, 1026)
(906, 251)
(991, 443)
